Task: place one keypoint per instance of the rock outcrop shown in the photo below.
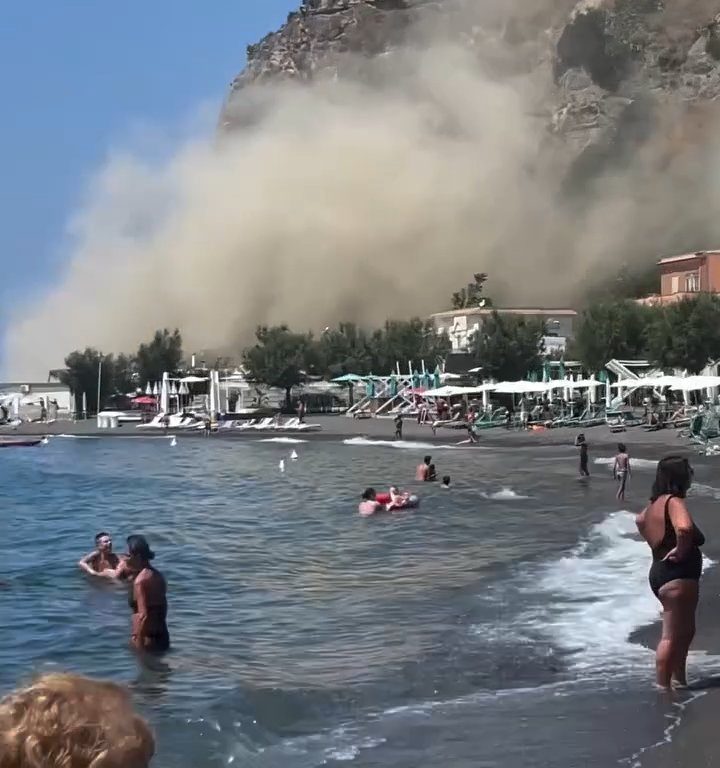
(610, 65)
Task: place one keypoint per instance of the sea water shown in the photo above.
(490, 627)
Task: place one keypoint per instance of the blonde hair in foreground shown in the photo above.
(68, 721)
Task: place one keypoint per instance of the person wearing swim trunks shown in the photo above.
(369, 504)
(102, 559)
(621, 470)
(675, 541)
(148, 599)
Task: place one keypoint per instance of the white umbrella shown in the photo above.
(193, 379)
(173, 388)
(148, 389)
(520, 387)
(155, 389)
(184, 389)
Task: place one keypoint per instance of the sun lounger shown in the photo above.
(266, 424)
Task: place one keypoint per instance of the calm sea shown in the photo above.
(487, 628)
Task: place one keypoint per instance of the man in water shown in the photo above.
(398, 426)
(422, 471)
(581, 443)
(369, 505)
(621, 470)
(102, 559)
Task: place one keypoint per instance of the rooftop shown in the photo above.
(506, 311)
(687, 256)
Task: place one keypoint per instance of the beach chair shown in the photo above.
(266, 424)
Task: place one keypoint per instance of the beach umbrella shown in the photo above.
(393, 383)
(184, 389)
(425, 382)
(546, 371)
(561, 370)
(155, 389)
(370, 387)
(148, 389)
(348, 378)
(436, 378)
(415, 379)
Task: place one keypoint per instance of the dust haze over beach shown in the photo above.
(345, 201)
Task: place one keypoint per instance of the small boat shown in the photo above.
(18, 442)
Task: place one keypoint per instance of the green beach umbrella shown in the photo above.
(370, 386)
(393, 385)
(415, 379)
(437, 382)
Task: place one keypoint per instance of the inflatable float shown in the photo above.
(412, 502)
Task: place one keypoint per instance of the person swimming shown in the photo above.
(398, 499)
(621, 470)
(148, 599)
(102, 560)
(445, 482)
(369, 504)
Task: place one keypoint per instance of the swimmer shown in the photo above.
(102, 560)
(621, 470)
(369, 504)
(581, 443)
(445, 482)
(148, 599)
(432, 474)
(398, 499)
(422, 471)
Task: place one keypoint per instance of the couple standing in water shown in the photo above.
(148, 592)
(675, 541)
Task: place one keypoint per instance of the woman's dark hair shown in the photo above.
(446, 480)
(621, 447)
(138, 547)
(100, 535)
(674, 476)
(428, 459)
(368, 494)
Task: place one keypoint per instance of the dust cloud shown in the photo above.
(357, 202)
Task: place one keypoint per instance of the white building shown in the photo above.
(461, 324)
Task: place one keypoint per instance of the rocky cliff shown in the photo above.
(612, 69)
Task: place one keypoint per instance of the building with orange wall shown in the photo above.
(684, 277)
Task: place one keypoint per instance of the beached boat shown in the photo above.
(17, 442)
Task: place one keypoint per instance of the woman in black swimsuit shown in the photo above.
(675, 542)
(148, 599)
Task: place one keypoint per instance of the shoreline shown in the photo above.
(339, 427)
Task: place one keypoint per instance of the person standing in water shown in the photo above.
(422, 471)
(675, 541)
(621, 470)
(581, 443)
(398, 426)
(102, 559)
(148, 599)
(369, 504)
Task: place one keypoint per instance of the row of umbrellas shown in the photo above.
(155, 389)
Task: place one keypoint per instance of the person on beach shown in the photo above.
(102, 559)
(398, 426)
(581, 443)
(445, 485)
(621, 470)
(422, 471)
(148, 599)
(369, 504)
(69, 721)
(675, 541)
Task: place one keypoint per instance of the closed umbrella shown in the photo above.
(393, 385)
(436, 378)
(148, 389)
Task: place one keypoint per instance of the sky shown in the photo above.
(81, 77)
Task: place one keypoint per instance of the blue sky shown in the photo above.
(77, 77)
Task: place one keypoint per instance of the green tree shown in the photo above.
(163, 353)
(280, 357)
(472, 295)
(81, 376)
(125, 377)
(345, 349)
(403, 341)
(508, 346)
(685, 334)
(611, 329)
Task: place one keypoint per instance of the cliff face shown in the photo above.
(610, 67)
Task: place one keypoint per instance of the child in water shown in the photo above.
(621, 470)
(445, 482)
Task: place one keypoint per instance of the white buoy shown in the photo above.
(294, 455)
(282, 465)
(44, 441)
(173, 441)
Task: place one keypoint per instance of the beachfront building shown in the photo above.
(26, 400)
(682, 277)
(461, 324)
